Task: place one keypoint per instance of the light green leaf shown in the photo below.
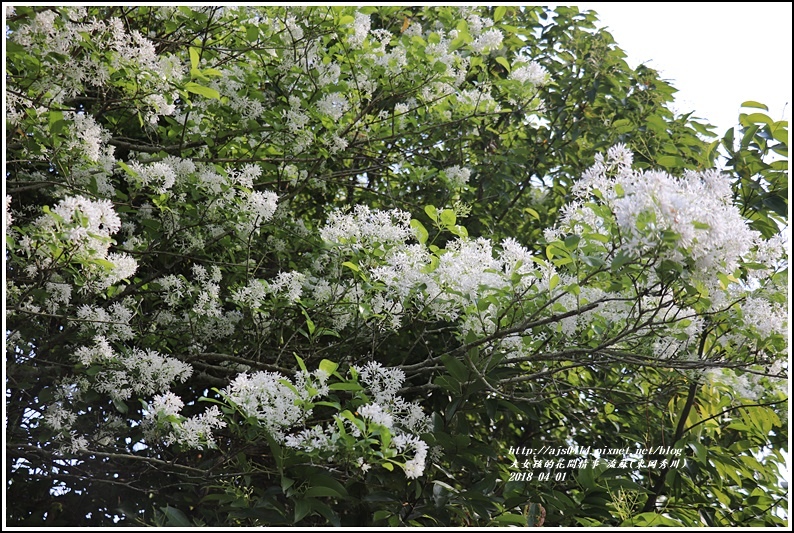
(752, 103)
(201, 90)
(194, 58)
(329, 367)
(448, 217)
(421, 232)
(351, 266)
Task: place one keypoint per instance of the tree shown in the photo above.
(329, 265)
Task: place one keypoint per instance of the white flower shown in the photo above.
(532, 73)
(262, 395)
(289, 282)
(457, 176)
(333, 105)
(101, 352)
(167, 404)
(383, 382)
(697, 207)
(7, 212)
(765, 317)
(196, 431)
(366, 226)
(487, 41)
(361, 25)
(374, 413)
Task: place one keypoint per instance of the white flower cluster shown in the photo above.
(765, 317)
(365, 227)
(333, 105)
(89, 223)
(193, 432)
(59, 294)
(259, 207)
(196, 306)
(253, 295)
(88, 137)
(8, 217)
(464, 274)
(532, 73)
(457, 176)
(277, 406)
(404, 420)
(490, 40)
(142, 372)
(698, 208)
(55, 35)
(84, 227)
(160, 174)
(361, 25)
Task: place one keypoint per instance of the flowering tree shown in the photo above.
(381, 266)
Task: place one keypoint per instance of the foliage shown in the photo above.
(349, 266)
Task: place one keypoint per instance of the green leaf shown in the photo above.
(571, 241)
(421, 232)
(754, 118)
(121, 406)
(201, 90)
(329, 367)
(656, 123)
(175, 517)
(351, 266)
(752, 103)
(456, 369)
(651, 519)
(322, 491)
(432, 212)
(622, 125)
(194, 58)
(670, 161)
(302, 508)
(56, 121)
(620, 259)
(448, 217)
(502, 61)
(499, 13)
(345, 386)
(329, 485)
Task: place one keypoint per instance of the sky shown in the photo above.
(717, 55)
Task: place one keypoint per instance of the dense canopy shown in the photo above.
(382, 266)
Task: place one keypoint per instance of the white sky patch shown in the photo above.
(716, 55)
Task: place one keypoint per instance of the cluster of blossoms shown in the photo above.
(365, 228)
(532, 73)
(457, 176)
(82, 228)
(227, 198)
(386, 411)
(697, 209)
(275, 401)
(197, 306)
(97, 49)
(282, 406)
(135, 371)
(192, 432)
(644, 209)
